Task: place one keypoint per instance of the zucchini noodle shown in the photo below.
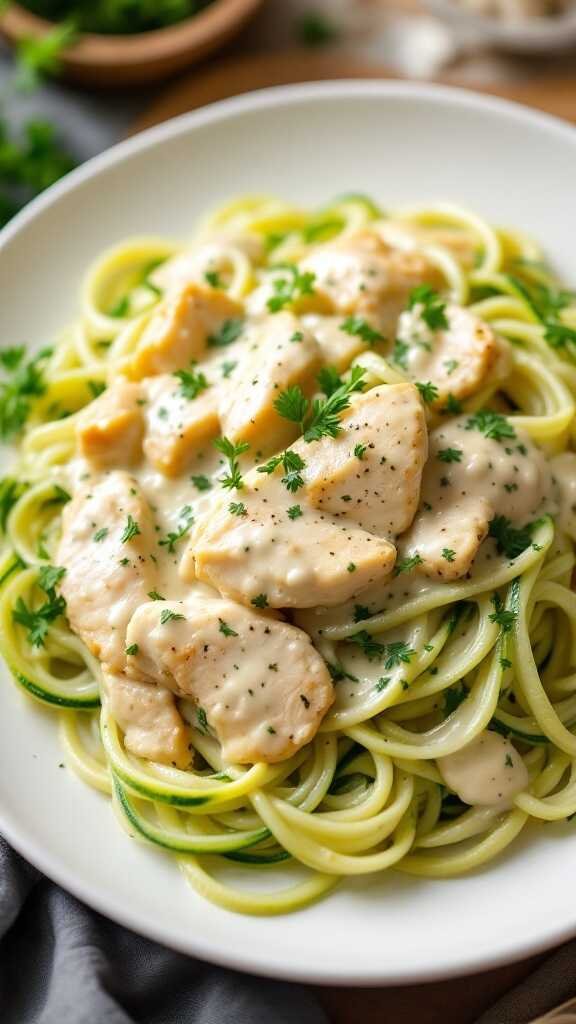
(367, 794)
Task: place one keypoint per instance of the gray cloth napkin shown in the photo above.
(61, 963)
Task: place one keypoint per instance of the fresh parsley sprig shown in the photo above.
(292, 464)
(174, 536)
(360, 328)
(433, 309)
(37, 620)
(492, 424)
(17, 393)
(291, 285)
(232, 480)
(192, 383)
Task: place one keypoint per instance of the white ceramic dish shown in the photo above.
(553, 34)
(399, 142)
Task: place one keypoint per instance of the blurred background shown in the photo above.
(78, 75)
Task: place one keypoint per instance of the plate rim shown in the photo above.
(88, 892)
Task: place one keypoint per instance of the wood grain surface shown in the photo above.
(460, 1000)
(555, 94)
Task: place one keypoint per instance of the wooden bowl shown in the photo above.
(112, 60)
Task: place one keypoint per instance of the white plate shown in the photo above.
(400, 143)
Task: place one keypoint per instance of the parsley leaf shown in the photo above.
(560, 336)
(360, 328)
(201, 483)
(229, 331)
(212, 277)
(292, 464)
(155, 596)
(433, 308)
(503, 617)
(400, 353)
(448, 554)
(10, 358)
(167, 615)
(226, 629)
(288, 289)
(237, 508)
(16, 394)
(36, 621)
(407, 564)
(10, 491)
(132, 649)
(172, 538)
(130, 530)
(192, 384)
(492, 424)
(324, 417)
(428, 391)
(510, 540)
(394, 653)
(329, 380)
(292, 405)
(232, 480)
(260, 601)
(100, 534)
(449, 455)
(294, 512)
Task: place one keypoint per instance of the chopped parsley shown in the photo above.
(428, 391)
(192, 384)
(201, 483)
(260, 601)
(449, 455)
(351, 567)
(359, 450)
(322, 420)
(297, 336)
(329, 380)
(400, 353)
(451, 365)
(24, 384)
(510, 540)
(227, 367)
(233, 478)
(132, 649)
(288, 288)
(560, 336)
(225, 629)
(359, 328)
(492, 424)
(171, 539)
(237, 508)
(448, 554)
(395, 653)
(130, 531)
(36, 621)
(292, 464)
(508, 762)
(382, 683)
(167, 615)
(294, 512)
(228, 332)
(503, 617)
(96, 387)
(10, 491)
(361, 612)
(433, 308)
(453, 405)
(100, 534)
(201, 720)
(453, 697)
(407, 564)
(212, 277)
(155, 596)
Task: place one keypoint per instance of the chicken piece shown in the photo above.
(177, 426)
(488, 772)
(214, 255)
(469, 479)
(109, 430)
(179, 330)
(370, 472)
(458, 360)
(280, 354)
(281, 552)
(107, 537)
(361, 275)
(260, 683)
(338, 347)
(147, 714)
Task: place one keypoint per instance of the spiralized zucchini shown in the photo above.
(366, 794)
